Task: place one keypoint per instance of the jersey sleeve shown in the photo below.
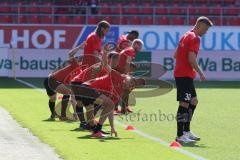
(74, 63)
(194, 43)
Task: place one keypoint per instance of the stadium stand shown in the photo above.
(137, 12)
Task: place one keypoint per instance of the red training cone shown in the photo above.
(130, 128)
(175, 144)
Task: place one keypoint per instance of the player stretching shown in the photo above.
(184, 73)
(54, 83)
(92, 49)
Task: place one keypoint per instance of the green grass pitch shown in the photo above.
(217, 121)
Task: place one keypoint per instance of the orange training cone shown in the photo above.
(130, 128)
(175, 144)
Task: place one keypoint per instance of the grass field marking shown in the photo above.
(145, 135)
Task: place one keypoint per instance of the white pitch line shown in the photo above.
(190, 154)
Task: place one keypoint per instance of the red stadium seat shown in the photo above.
(116, 9)
(161, 10)
(92, 20)
(125, 20)
(192, 21)
(163, 20)
(105, 9)
(110, 19)
(135, 20)
(147, 20)
(33, 8)
(193, 10)
(234, 21)
(175, 9)
(216, 20)
(47, 19)
(117, 20)
(225, 21)
(231, 10)
(6, 19)
(22, 19)
(19, 7)
(177, 21)
(204, 10)
(130, 9)
(4, 7)
(63, 20)
(78, 20)
(147, 9)
(34, 19)
(47, 8)
(216, 10)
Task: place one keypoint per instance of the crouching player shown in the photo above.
(54, 83)
(105, 90)
(125, 66)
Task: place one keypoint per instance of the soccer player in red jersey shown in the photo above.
(184, 73)
(126, 57)
(94, 71)
(125, 40)
(92, 50)
(54, 83)
(112, 85)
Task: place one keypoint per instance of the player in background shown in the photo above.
(125, 40)
(92, 72)
(126, 57)
(184, 73)
(54, 83)
(92, 50)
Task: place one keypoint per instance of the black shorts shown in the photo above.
(84, 93)
(50, 85)
(185, 89)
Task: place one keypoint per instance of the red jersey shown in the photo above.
(73, 74)
(190, 42)
(111, 85)
(87, 74)
(124, 56)
(93, 42)
(61, 74)
(120, 40)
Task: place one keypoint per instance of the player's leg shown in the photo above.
(107, 107)
(65, 100)
(52, 98)
(192, 106)
(184, 97)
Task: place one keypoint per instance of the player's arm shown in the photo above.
(111, 122)
(75, 50)
(98, 67)
(193, 61)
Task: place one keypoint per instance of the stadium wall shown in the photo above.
(35, 51)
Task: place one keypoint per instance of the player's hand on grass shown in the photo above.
(75, 117)
(113, 132)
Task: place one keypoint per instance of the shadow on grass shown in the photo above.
(49, 120)
(102, 139)
(57, 120)
(79, 129)
(195, 145)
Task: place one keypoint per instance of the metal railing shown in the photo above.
(114, 12)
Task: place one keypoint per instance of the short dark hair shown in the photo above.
(135, 32)
(205, 20)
